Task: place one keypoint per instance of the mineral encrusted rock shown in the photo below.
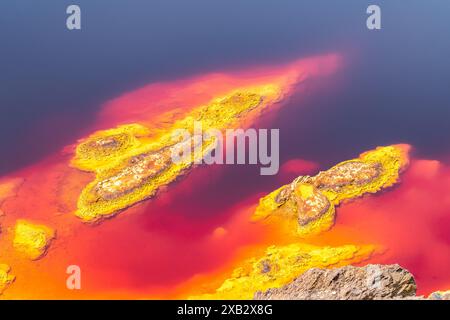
(347, 283)
(307, 205)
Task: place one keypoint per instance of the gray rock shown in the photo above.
(347, 283)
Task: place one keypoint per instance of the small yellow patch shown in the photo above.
(5, 277)
(32, 240)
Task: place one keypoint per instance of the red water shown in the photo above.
(193, 234)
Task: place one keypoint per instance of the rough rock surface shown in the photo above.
(347, 283)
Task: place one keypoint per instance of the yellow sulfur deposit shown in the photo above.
(32, 240)
(5, 278)
(109, 145)
(307, 205)
(282, 264)
(131, 165)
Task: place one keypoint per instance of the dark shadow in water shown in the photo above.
(396, 84)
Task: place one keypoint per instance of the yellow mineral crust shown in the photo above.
(109, 145)
(281, 265)
(131, 165)
(32, 240)
(371, 172)
(307, 205)
(5, 278)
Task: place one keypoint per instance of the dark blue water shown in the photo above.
(397, 88)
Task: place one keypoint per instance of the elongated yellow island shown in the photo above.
(131, 165)
(307, 205)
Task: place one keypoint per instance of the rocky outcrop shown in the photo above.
(347, 283)
(307, 206)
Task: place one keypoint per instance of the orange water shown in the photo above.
(189, 238)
